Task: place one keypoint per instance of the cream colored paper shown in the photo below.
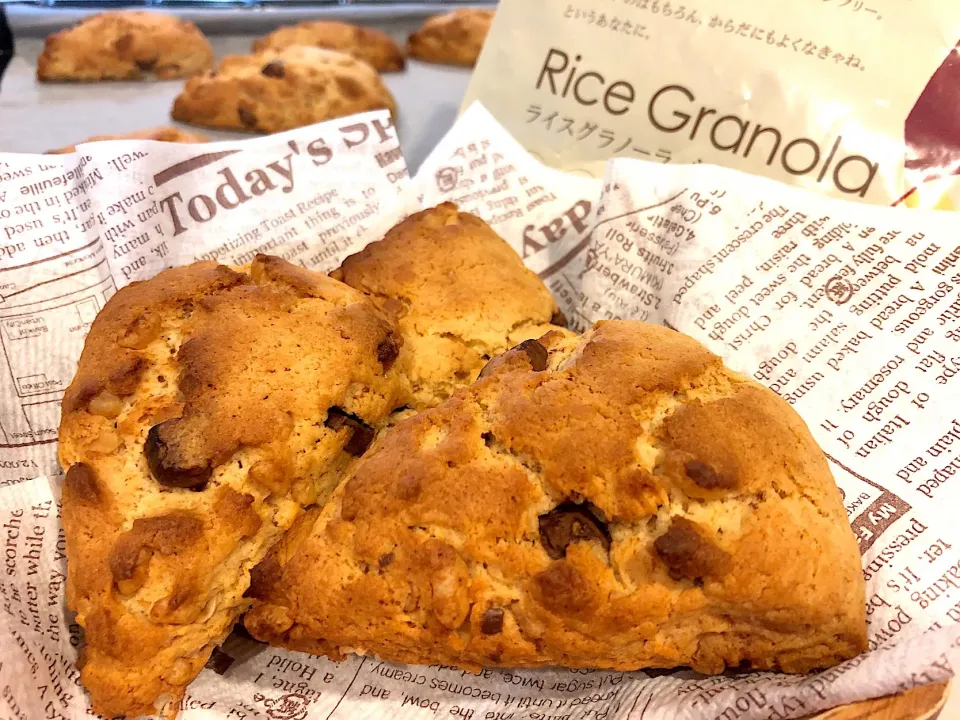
(814, 93)
(652, 235)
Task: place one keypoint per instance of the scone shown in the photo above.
(125, 45)
(619, 500)
(281, 89)
(209, 407)
(374, 47)
(459, 294)
(160, 134)
(455, 38)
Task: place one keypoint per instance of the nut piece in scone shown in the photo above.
(459, 294)
(282, 89)
(160, 134)
(125, 45)
(210, 406)
(454, 38)
(374, 47)
(619, 500)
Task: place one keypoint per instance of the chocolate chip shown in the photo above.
(165, 465)
(336, 418)
(492, 621)
(385, 560)
(536, 352)
(264, 577)
(146, 65)
(706, 477)
(388, 351)
(536, 356)
(558, 318)
(488, 439)
(569, 523)
(247, 118)
(219, 661)
(273, 69)
(360, 440)
(81, 482)
(362, 435)
(688, 553)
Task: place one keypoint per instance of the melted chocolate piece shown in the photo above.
(492, 621)
(166, 465)
(535, 352)
(569, 523)
(387, 352)
(273, 69)
(362, 435)
(706, 476)
(688, 553)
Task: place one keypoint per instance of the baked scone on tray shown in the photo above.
(125, 45)
(619, 500)
(373, 46)
(281, 89)
(459, 294)
(454, 38)
(209, 407)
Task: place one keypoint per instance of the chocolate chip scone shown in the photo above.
(454, 38)
(126, 45)
(282, 89)
(209, 407)
(374, 47)
(160, 134)
(619, 500)
(459, 294)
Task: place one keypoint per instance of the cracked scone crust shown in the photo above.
(634, 504)
(458, 292)
(280, 90)
(160, 134)
(127, 45)
(209, 407)
(454, 38)
(374, 47)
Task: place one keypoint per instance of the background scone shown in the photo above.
(458, 292)
(160, 134)
(374, 47)
(282, 89)
(209, 407)
(454, 38)
(619, 500)
(126, 45)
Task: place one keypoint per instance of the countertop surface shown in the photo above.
(36, 117)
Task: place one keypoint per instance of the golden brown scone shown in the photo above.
(619, 500)
(209, 407)
(459, 294)
(281, 89)
(125, 45)
(454, 38)
(160, 134)
(374, 47)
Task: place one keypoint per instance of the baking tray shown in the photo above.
(36, 117)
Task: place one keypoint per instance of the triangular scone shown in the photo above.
(621, 500)
(373, 46)
(279, 90)
(459, 294)
(454, 38)
(209, 407)
(125, 45)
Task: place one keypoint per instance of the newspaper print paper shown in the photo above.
(851, 313)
